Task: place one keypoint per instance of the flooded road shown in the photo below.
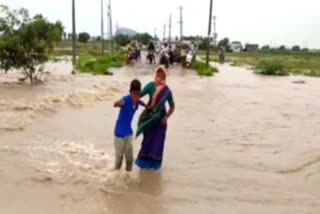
(237, 143)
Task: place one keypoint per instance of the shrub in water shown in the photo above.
(202, 68)
(100, 65)
(271, 67)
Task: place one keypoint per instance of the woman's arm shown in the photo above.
(171, 110)
(145, 90)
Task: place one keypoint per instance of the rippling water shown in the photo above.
(237, 143)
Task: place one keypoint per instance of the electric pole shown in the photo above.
(164, 32)
(181, 23)
(117, 27)
(215, 35)
(102, 29)
(110, 26)
(209, 32)
(74, 37)
(170, 26)
(155, 33)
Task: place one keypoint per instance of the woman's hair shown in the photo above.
(161, 69)
(135, 85)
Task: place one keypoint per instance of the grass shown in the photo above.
(202, 69)
(88, 63)
(302, 63)
(271, 67)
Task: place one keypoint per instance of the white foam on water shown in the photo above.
(16, 115)
(78, 162)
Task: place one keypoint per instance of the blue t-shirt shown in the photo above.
(123, 125)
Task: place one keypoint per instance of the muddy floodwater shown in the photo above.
(237, 143)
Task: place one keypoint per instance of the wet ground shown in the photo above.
(237, 143)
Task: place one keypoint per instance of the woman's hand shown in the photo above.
(164, 120)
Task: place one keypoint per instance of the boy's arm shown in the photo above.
(143, 104)
(118, 103)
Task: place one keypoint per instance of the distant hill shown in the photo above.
(126, 31)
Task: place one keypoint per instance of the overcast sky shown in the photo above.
(272, 22)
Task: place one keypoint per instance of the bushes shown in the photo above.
(99, 65)
(271, 67)
(202, 68)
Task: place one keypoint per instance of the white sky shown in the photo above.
(273, 22)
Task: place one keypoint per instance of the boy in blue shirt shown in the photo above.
(123, 131)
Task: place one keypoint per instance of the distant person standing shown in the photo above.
(151, 47)
(171, 55)
(183, 56)
(151, 58)
(221, 55)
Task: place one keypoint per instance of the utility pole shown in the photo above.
(215, 35)
(164, 32)
(74, 37)
(117, 27)
(110, 26)
(155, 33)
(209, 32)
(102, 29)
(181, 23)
(170, 26)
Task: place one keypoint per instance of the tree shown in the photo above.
(225, 43)
(296, 48)
(204, 44)
(60, 28)
(122, 40)
(143, 38)
(25, 42)
(282, 48)
(98, 39)
(190, 38)
(84, 37)
(265, 48)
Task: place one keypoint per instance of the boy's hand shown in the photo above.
(144, 105)
(119, 103)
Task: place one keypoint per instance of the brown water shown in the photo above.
(237, 143)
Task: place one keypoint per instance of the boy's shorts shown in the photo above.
(123, 147)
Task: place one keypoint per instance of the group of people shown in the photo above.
(133, 53)
(152, 123)
(168, 55)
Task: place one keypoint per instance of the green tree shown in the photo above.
(143, 38)
(296, 48)
(60, 27)
(84, 37)
(282, 48)
(265, 48)
(122, 40)
(204, 44)
(98, 39)
(225, 43)
(25, 43)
